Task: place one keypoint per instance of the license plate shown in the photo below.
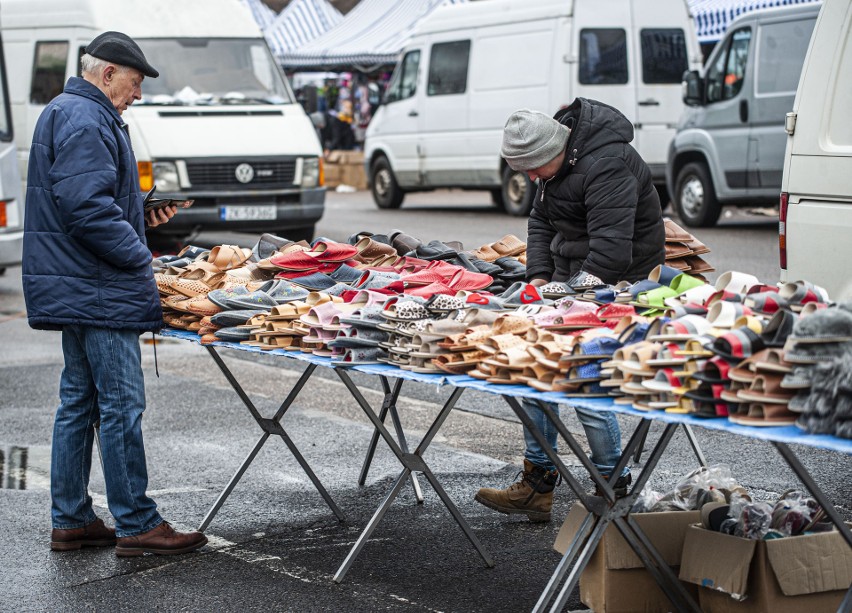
(244, 213)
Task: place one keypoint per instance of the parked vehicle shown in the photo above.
(220, 125)
(469, 65)
(816, 198)
(729, 146)
(11, 207)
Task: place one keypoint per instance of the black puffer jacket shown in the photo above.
(600, 213)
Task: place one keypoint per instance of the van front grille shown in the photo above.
(267, 174)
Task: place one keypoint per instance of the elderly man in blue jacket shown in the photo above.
(87, 272)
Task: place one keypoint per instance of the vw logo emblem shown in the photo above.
(244, 173)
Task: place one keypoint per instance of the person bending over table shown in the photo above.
(87, 272)
(596, 219)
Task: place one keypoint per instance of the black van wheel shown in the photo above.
(386, 191)
(695, 197)
(518, 193)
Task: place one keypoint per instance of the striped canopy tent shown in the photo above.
(712, 17)
(299, 23)
(371, 35)
(263, 15)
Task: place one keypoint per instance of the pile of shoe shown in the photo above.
(819, 355)
(683, 250)
(670, 342)
(712, 351)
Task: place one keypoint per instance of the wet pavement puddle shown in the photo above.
(24, 468)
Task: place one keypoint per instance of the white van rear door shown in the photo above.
(660, 53)
(600, 50)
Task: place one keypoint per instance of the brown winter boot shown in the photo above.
(531, 496)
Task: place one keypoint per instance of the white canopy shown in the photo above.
(372, 34)
(299, 23)
(712, 17)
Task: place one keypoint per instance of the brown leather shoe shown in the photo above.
(162, 540)
(96, 534)
(531, 496)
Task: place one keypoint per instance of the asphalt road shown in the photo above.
(275, 544)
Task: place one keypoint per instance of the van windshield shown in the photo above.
(212, 72)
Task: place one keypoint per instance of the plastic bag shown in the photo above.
(704, 484)
(795, 513)
(646, 501)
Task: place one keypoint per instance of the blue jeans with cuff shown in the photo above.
(601, 429)
(102, 380)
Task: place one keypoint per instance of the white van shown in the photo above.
(729, 147)
(220, 125)
(11, 207)
(470, 65)
(816, 186)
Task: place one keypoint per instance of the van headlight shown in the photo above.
(310, 172)
(166, 177)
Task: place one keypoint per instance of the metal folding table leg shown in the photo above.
(269, 426)
(410, 462)
(389, 406)
(693, 442)
(618, 513)
(809, 483)
(389, 399)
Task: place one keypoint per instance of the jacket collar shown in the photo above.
(80, 87)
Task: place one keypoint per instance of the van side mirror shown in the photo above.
(693, 88)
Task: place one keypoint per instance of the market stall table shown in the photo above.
(603, 511)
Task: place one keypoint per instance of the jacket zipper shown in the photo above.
(572, 161)
(544, 187)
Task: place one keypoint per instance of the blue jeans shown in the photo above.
(102, 380)
(601, 429)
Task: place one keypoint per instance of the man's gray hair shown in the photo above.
(93, 65)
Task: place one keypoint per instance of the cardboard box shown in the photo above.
(332, 175)
(615, 580)
(345, 157)
(803, 573)
(345, 167)
(353, 175)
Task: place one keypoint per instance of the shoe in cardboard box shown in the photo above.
(788, 575)
(615, 580)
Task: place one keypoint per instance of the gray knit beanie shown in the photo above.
(532, 139)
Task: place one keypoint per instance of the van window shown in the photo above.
(448, 68)
(663, 55)
(603, 56)
(5, 111)
(725, 77)
(781, 49)
(212, 70)
(51, 60)
(404, 81)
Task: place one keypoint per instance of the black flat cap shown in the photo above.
(120, 49)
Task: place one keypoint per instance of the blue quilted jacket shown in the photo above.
(85, 257)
